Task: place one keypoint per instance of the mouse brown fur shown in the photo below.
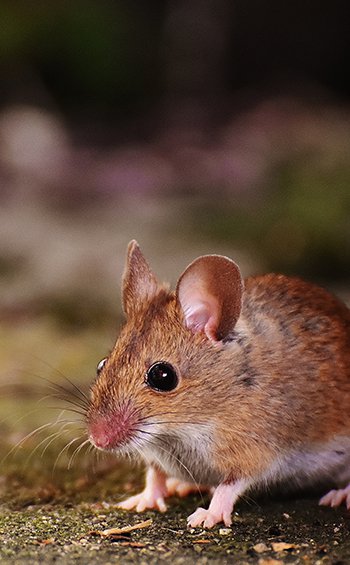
(226, 385)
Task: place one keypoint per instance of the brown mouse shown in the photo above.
(226, 385)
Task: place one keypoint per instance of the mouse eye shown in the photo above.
(162, 376)
(101, 365)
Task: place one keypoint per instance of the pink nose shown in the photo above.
(100, 437)
(108, 434)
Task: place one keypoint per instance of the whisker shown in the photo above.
(61, 431)
(53, 436)
(30, 413)
(199, 422)
(79, 390)
(75, 452)
(68, 409)
(46, 439)
(237, 432)
(97, 454)
(58, 387)
(86, 450)
(146, 421)
(67, 446)
(58, 372)
(68, 394)
(31, 434)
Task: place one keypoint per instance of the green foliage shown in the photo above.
(299, 225)
(88, 53)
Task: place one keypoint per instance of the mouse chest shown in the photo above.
(187, 460)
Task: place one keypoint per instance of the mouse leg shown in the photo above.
(220, 507)
(335, 497)
(182, 488)
(152, 496)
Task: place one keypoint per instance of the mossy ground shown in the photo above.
(51, 505)
(48, 524)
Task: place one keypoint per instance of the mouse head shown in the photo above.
(165, 358)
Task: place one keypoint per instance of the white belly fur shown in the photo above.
(306, 467)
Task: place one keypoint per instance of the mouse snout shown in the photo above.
(110, 432)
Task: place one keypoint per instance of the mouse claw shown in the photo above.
(335, 497)
(143, 501)
(208, 519)
(220, 507)
(152, 496)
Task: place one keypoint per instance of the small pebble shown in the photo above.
(283, 546)
(225, 531)
(260, 547)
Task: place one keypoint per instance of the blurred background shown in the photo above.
(195, 127)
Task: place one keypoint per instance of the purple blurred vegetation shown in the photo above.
(195, 127)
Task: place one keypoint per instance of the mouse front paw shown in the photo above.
(336, 497)
(221, 505)
(144, 501)
(152, 496)
(208, 518)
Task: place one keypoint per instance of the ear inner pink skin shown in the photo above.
(210, 295)
(200, 314)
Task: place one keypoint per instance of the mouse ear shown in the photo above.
(139, 283)
(210, 295)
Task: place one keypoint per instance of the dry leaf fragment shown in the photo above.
(282, 546)
(123, 530)
(127, 529)
(260, 547)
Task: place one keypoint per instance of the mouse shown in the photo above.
(225, 385)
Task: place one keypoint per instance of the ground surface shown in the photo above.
(52, 504)
(44, 525)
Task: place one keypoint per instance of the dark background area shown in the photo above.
(195, 127)
(115, 57)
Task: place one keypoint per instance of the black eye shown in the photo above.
(162, 376)
(101, 365)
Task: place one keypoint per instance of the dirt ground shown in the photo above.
(61, 524)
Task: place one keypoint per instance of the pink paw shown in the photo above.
(208, 518)
(152, 496)
(144, 501)
(335, 497)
